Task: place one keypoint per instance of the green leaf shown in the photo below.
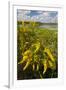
(52, 65)
(40, 75)
(37, 67)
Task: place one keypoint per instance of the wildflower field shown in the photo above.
(37, 51)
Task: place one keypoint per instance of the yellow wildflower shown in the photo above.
(26, 56)
(52, 65)
(23, 60)
(45, 66)
(27, 64)
(27, 52)
(37, 46)
(49, 54)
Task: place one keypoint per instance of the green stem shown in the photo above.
(40, 75)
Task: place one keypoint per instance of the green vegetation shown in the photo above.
(37, 54)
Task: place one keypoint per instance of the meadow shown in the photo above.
(37, 50)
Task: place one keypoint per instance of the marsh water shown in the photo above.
(47, 26)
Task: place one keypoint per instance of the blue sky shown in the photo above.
(40, 16)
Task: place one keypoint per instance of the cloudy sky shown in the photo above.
(40, 16)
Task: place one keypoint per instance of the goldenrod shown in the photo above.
(27, 64)
(27, 55)
(50, 64)
(45, 66)
(27, 52)
(23, 60)
(49, 54)
(37, 46)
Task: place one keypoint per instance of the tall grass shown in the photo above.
(36, 52)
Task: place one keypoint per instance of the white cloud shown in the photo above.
(22, 15)
(42, 16)
(34, 18)
(45, 14)
(55, 19)
(23, 11)
(39, 12)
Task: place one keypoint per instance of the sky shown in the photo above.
(38, 16)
